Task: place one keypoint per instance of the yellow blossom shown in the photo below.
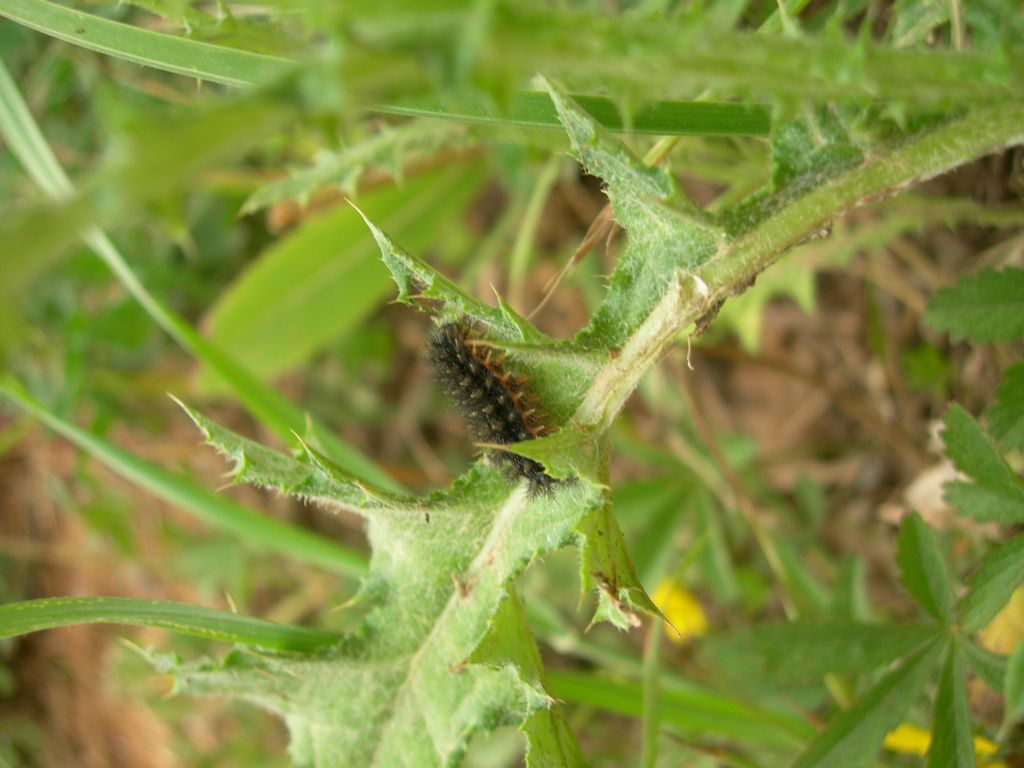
(1005, 630)
(682, 610)
(909, 739)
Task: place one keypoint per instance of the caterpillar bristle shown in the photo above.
(494, 403)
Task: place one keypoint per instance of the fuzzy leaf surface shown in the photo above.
(442, 652)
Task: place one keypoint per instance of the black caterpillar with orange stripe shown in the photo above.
(494, 404)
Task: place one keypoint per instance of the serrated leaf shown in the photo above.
(922, 569)
(321, 280)
(808, 652)
(343, 169)
(952, 742)
(605, 564)
(853, 738)
(983, 308)
(996, 577)
(572, 452)
(666, 231)
(1006, 415)
(557, 375)
(997, 495)
(436, 590)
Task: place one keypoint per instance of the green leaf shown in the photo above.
(605, 564)
(533, 109)
(509, 644)
(216, 511)
(808, 652)
(994, 580)
(1006, 414)
(853, 738)
(922, 568)
(665, 231)
(688, 708)
(985, 307)
(952, 741)
(988, 666)
(1015, 684)
(48, 613)
(997, 495)
(179, 55)
(431, 646)
(323, 279)
(391, 149)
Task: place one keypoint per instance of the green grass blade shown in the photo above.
(230, 66)
(533, 109)
(48, 613)
(651, 694)
(26, 141)
(218, 512)
(213, 63)
(688, 708)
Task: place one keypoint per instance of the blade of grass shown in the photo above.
(192, 58)
(26, 141)
(49, 613)
(217, 512)
(687, 708)
(230, 66)
(533, 109)
(652, 694)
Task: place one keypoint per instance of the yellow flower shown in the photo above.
(1003, 632)
(908, 739)
(682, 610)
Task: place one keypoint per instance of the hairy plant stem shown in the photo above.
(739, 261)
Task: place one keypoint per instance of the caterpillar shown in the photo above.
(494, 404)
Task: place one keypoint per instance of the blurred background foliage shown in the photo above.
(813, 403)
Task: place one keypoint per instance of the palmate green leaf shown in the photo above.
(807, 652)
(1015, 684)
(996, 495)
(988, 666)
(952, 742)
(994, 580)
(985, 307)
(443, 651)
(853, 738)
(48, 613)
(1006, 415)
(922, 568)
(324, 278)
